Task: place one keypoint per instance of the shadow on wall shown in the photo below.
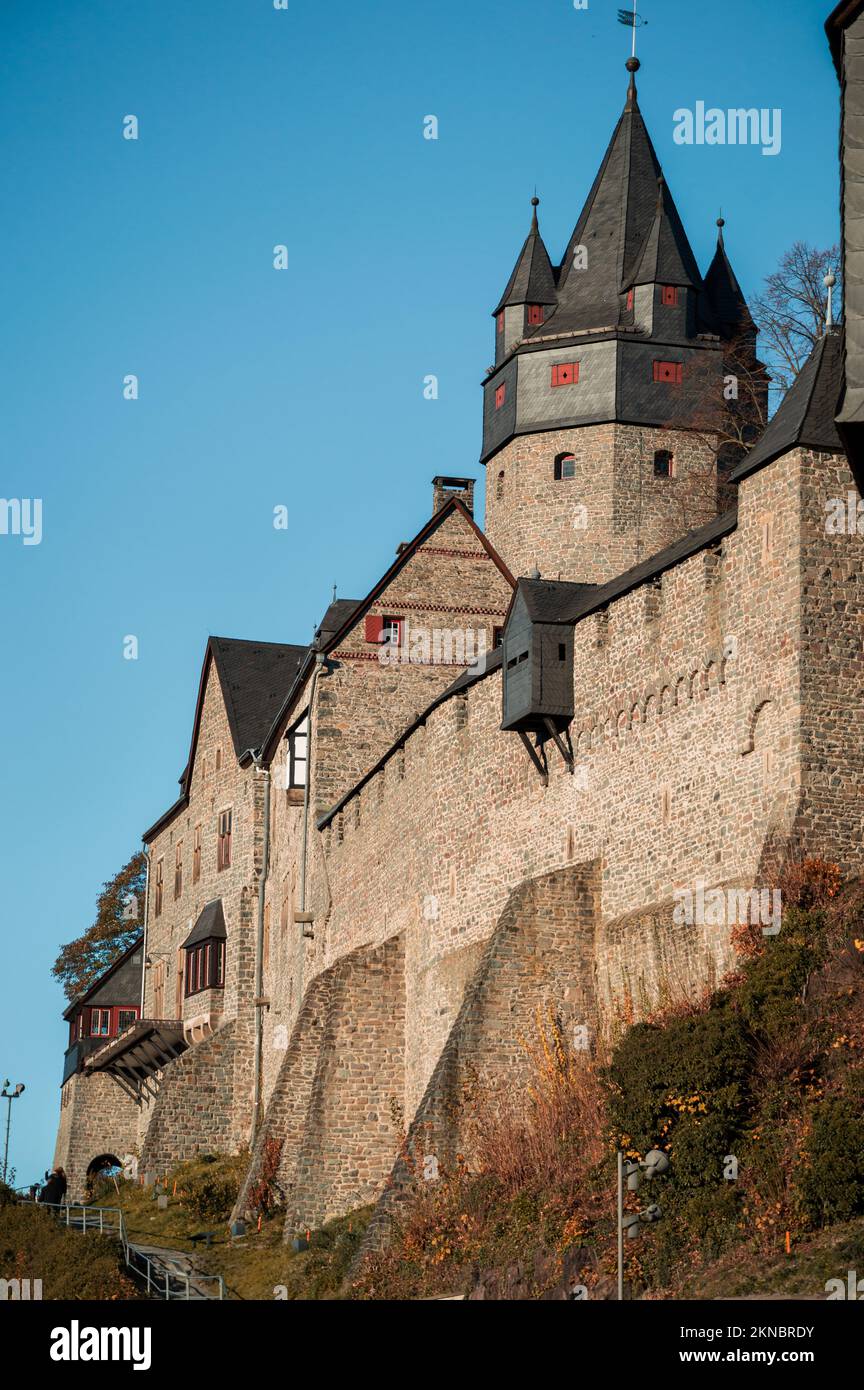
(331, 1109)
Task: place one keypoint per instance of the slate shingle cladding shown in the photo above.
(631, 237)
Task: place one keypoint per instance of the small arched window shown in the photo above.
(664, 464)
(565, 467)
(499, 485)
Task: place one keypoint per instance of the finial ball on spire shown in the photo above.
(721, 222)
(535, 201)
(830, 280)
(632, 65)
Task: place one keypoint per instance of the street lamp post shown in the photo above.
(9, 1096)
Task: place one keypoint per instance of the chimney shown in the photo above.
(445, 488)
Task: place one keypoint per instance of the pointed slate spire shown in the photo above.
(725, 296)
(805, 417)
(615, 225)
(666, 257)
(533, 280)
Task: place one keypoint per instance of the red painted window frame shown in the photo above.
(499, 320)
(565, 374)
(535, 313)
(669, 296)
(500, 395)
(630, 298)
(98, 1012)
(669, 373)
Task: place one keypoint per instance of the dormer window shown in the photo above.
(500, 395)
(565, 374)
(535, 313)
(672, 373)
(565, 467)
(205, 966)
(669, 296)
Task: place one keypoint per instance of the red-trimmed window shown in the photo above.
(630, 297)
(535, 313)
(500, 395)
(500, 322)
(669, 295)
(565, 374)
(125, 1019)
(391, 630)
(670, 372)
(100, 1023)
(223, 843)
(565, 467)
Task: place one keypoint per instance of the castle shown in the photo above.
(481, 789)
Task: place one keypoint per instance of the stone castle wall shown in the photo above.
(613, 514)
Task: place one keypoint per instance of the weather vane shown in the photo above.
(634, 21)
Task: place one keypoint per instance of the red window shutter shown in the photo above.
(629, 299)
(500, 395)
(374, 628)
(669, 295)
(535, 313)
(672, 373)
(565, 374)
(500, 323)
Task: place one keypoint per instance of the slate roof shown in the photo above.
(533, 279)
(254, 677)
(210, 925)
(806, 416)
(132, 995)
(337, 615)
(725, 295)
(550, 600)
(615, 226)
(666, 257)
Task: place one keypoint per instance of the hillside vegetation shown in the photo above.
(763, 1078)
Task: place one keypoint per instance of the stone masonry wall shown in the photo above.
(361, 706)
(337, 1099)
(96, 1117)
(196, 1109)
(629, 514)
(213, 789)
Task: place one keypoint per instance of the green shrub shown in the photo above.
(830, 1178)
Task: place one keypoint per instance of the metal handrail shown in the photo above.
(157, 1276)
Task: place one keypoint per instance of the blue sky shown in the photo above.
(302, 387)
